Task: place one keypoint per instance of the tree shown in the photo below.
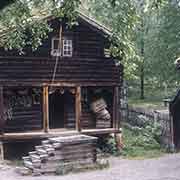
(4, 3)
(25, 17)
(121, 17)
(164, 42)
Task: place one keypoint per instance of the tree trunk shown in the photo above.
(142, 82)
(142, 65)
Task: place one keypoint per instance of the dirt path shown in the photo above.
(164, 168)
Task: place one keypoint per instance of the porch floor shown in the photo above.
(53, 133)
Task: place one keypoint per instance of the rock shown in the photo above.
(36, 172)
(103, 162)
(23, 171)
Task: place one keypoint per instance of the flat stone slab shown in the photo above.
(74, 138)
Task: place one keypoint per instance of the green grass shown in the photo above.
(153, 96)
(147, 103)
(137, 146)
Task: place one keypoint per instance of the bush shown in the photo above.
(139, 142)
(107, 145)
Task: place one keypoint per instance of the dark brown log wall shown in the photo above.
(77, 70)
(25, 119)
(87, 65)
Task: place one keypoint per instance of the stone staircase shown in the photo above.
(59, 153)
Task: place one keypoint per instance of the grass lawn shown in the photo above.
(147, 103)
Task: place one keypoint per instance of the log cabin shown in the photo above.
(70, 84)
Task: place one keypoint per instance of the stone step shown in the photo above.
(49, 149)
(69, 149)
(41, 152)
(32, 153)
(47, 145)
(46, 142)
(37, 164)
(57, 145)
(28, 164)
(44, 157)
(39, 147)
(35, 157)
(26, 158)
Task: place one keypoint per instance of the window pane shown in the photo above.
(56, 43)
(67, 47)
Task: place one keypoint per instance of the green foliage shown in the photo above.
(121, 17)
(25, 18)
(141, 142)
(107, 145)
(163, 44)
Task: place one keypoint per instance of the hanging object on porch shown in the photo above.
(57, 59)
(72, 90)
(61, 90)
(103, 117)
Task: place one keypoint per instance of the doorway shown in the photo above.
(62, 109)
(56, 110)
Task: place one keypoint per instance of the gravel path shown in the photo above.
(164, 168)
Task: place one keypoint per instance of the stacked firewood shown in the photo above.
(60, 153)
(103, 117)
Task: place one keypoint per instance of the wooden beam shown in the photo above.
(45, 109)
(78, 108)
(116, 107)
(1, 152)
(2, 120)
(100, 131)
(117, 89)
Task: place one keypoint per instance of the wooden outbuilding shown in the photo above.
(69, 84)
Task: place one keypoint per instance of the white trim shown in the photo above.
(68, 45)
(55, 51)
(68, 48)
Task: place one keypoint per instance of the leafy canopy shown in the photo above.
(22, 23)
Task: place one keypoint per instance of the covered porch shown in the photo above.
(73, 115)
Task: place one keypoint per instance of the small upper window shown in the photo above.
(64, 49)
(55, 47)
(67, 47)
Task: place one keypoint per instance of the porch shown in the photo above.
(78, 118)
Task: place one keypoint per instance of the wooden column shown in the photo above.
(2, 120)
(45, 109)
(117, 90)
(1, 151)
(116, 117)
(78, 108)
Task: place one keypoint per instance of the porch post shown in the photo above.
(116, 108)
(78, 108)
(1, 151)
(45, 109)
(2, 120)
(116, 118)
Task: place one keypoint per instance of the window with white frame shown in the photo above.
(67, 47)
(55, 47)
(64, 49)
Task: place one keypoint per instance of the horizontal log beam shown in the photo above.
(42, 135)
